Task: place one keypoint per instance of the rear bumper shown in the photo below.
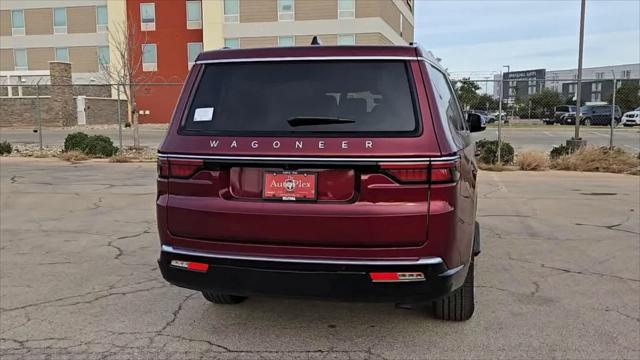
(346, 280)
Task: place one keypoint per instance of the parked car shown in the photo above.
(485, 118)
(294, 172)
(631, 118)
(495, 115)
(559, 114)
(595, 115)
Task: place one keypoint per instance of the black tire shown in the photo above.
(459, 305)
(224, 299)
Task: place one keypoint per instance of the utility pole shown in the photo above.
(577, 142)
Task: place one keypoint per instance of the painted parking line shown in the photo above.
(597, 133)
(547, 133)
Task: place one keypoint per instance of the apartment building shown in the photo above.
(597, 82)
(34, 32)
(261, 23)
(171, 34)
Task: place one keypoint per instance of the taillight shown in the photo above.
(163, 168)
(421, 173)
(182, 169)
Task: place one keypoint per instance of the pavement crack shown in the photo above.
(146, 231)
(123, 293)
(587, 273)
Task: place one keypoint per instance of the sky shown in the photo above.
(475, 37)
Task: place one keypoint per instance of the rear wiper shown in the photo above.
(317, 120)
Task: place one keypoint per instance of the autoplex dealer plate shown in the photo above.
(289, 185)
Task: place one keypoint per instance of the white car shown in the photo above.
(631, 118)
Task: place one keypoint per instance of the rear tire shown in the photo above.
(223, 299)
(460, 304)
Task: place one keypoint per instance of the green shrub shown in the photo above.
(559, 150)
(488, 150)
(100, 145)
(5, 148)
(76, 141)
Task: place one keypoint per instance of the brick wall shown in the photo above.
(23, 111)
(101, 111)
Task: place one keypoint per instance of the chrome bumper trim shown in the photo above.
(421, 261)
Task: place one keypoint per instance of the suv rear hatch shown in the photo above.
(261, 181)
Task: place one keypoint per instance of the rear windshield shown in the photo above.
(288, 98)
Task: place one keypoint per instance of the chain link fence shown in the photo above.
(38, 113)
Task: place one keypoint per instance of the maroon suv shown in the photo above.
(345, 172)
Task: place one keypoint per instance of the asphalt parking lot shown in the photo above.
(542, 138)
(558, 277)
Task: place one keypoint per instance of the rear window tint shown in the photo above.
(289, 98)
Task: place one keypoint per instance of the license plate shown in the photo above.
(289, 185)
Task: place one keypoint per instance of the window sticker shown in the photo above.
(203, 114)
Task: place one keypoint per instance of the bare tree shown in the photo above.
(125, 70)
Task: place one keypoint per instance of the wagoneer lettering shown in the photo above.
(339, 172)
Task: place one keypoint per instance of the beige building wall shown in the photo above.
(38, 58)
(258, 10)
(6, 60)
(212, 25)
(375, 22)
(84, 58)
(5, 23)
(81, 19)
(38, 21)
(315, 10)
(262, 41)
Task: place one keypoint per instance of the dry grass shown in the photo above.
(532, 161)
(73, 156)
(120, 158)
(495, 167)
(596, 159)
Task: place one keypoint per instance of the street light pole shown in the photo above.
(576, 137)
(613, 110)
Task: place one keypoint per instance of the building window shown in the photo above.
(533, 87)
(346, 9)
(618, 84)
(626, 74)
(599, 75)
(147, 16)
(232, 43)
(572, 88)
(286, 41)
(62, 54)
(149, 57)
(20, 59)
(101, 18)
(60, 20)
(285, 10)
(596, 86)
(231, 11)
(193, 49)
(595, 97)
(17, 22)
(194, 15)
(103, 56)
(346, 39)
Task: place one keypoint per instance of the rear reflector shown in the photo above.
(396, 276)
(190, 265)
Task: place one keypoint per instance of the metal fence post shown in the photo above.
(613, 111)
(500, 117)
(119, 119)
(39, 114)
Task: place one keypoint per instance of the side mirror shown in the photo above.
(475, 122)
